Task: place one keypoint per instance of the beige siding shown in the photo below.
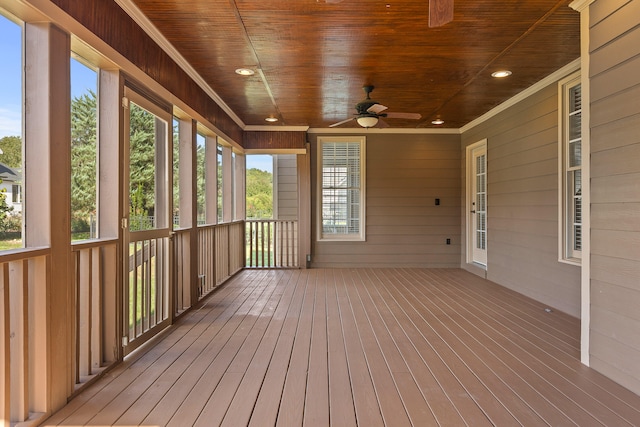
(522, 201)
(615, 196)
(404, 227)
(286, 191)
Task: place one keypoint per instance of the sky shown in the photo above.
(10, 80)
(260, 161)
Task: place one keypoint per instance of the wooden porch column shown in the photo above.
(240, 188)
(211, 180)
(48, 203)
(227, 181)
(304, 207)
(189, 203)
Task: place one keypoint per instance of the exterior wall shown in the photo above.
(286, 187)
(615, 190)
(522, 202)
(405, 173)
(7, 186)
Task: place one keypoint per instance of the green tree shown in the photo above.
(4, 209)
(176, 171)
(259, 194)
(142, 156)
(83, 158)
(11, 147)
(11, 156)
(200, 181)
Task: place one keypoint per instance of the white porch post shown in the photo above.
(47, 202)
(582, 6)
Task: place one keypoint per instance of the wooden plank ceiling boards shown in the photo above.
(311, 58)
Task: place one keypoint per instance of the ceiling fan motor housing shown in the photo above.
(364, 105)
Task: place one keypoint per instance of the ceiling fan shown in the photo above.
(369, 113)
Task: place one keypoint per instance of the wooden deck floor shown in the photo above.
(366, 347)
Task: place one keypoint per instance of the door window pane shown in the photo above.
(147, 135)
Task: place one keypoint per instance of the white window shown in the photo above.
(570, 157)
(341, 189)
(16, 193)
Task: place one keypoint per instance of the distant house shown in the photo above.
(12, 184)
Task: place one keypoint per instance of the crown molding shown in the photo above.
(580, 5)
(275, 151)
(276, 128)
(395, 131)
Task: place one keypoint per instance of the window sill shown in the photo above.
(571, 261)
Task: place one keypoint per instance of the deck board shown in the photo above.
(359, 347)
(341, 406)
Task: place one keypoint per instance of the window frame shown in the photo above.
(567, 172)
(361, 235)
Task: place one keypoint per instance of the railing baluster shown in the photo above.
(84, 314)
(20, 345)
(262, 244)
(5, 344)
(96, 309)
(269, 243)
(134, 293)
(285, 244)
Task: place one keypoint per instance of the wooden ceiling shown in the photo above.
(312, 57)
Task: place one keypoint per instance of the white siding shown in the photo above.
(405, 174)
(522, 234)
(615, 196)
(286, 187)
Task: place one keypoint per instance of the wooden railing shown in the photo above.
(97, 296)
(272, 243)
(95, 281)
(220, 254)
(24, 283)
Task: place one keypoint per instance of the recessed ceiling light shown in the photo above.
(437, 121)
(245, 71)
(271, 119)
(500, 74)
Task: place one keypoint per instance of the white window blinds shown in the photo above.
(341, 189)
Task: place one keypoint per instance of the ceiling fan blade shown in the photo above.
(341, 123)
(376, 108)
(412, 116)
(382, 124)
(440, 12)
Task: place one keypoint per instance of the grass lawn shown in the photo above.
(10, 244)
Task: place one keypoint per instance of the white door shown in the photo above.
(477, 191)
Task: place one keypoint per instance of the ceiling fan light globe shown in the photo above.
(367, 121)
